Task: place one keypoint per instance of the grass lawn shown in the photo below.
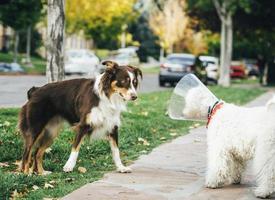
(145, 126)
(39, 64)
(150, 70)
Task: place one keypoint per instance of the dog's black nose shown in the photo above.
(133, 97)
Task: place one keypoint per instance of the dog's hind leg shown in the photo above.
(113, 139)
(45, 140)
(31, 125)
(218, 168)
(238, 167)
(82, 131)
(264, 169)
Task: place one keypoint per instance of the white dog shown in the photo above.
(236, 135)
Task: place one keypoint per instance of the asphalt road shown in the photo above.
(13, 89)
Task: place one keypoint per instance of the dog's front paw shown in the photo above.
(260, 193)
(68, 167)
(124, 169)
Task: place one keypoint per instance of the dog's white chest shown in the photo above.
(104, 118)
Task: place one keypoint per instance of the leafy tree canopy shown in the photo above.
(100, 19)
(19, 14)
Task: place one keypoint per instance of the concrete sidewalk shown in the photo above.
(173, 170)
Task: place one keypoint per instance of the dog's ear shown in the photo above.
(111, 67)
(136, 71)
(110, 64)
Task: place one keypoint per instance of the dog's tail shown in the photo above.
(271, 104)
(22, 122)
(31, 91)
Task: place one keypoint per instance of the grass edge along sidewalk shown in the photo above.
(144, 127)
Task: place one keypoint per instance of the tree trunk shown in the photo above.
(226, 51)
(161, 54)
(4, 40)
(55, 46)
(28, 46)
(16, 43)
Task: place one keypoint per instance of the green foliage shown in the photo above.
(145, 119)
(19, 14)
(101, 20)
(144, 35)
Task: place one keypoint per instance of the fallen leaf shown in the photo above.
(16, 195)
(144, 113)
(47, 185)
(191, 127)
(82, 170)
(5, 164)
(144, 141)
(35, 187)
(7, 123)
(197, 140)
(173, 134)
(52, 182)
(48, 150)
(197, 125)
(163, 138)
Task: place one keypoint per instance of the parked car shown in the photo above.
(126, 59)
(175, 67)
(211, 65)
(81, 61)
(237, 70)
(11, 68)
(251, 67)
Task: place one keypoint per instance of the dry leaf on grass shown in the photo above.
(4, 164)
(82, 170)
(197, 125)
(16, 195)
(144, 141)
(7, 123)
(47, 185)
(144, 113)
(48, 150)
(35, 187)
(173, 134)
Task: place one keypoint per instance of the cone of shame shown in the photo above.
(191, 100)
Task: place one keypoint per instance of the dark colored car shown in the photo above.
(175, 67)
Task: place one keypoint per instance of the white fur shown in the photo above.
(69, 166)
(106, 115)
(103, 119)
(235, 135)
(116, 157)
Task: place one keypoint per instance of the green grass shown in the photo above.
(39, 64)
(150, 70)
(145, 119)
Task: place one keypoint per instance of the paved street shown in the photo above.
(173, 171)
(13, 89)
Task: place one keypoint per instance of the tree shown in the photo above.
(101, 20)
(17, 15)
(169, 24)
(55, 40)
(225, 10)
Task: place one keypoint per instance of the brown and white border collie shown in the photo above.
(91, 106)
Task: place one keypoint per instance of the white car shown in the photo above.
(81, 61)
(211, 67)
